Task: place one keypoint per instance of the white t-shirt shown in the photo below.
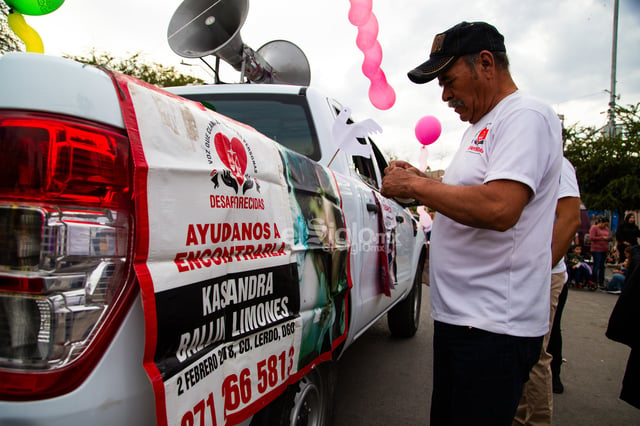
(500, 281)
(568, 188)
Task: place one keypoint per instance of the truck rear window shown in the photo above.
(285, 119)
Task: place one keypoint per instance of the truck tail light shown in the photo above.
(66, 276)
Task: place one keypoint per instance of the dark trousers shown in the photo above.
(621, 255)
(579, 275)
(478, 375)
(599, 259)
(631, 383)
(554, 347)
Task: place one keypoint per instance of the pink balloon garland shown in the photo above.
(381, 94)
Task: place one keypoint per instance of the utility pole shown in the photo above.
(612, 92)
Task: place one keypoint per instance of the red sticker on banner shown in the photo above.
(232, 154)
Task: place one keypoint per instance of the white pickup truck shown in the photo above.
(162, 263)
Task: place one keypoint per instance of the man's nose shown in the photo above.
(446, 95)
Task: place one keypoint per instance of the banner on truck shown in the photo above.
(244, 277)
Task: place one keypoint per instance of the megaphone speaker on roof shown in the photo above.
(208, 27)
(204, 27)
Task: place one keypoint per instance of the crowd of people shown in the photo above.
(507, 197)
(589, 271)
(580, 274)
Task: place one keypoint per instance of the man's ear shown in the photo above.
(487, 62)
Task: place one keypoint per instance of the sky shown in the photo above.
(560, 51)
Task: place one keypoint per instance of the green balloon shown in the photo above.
(34, 7)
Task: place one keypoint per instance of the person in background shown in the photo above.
(619, 274)
(623, 328)
(579, 271)
(495, 212)
(627, 235)
(536, 404)
(600, 237)
(554, 347)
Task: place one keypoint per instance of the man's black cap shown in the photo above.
(459, 40)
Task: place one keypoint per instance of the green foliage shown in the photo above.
(608, 168)
(153, 73)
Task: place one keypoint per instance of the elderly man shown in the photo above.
(490, 255)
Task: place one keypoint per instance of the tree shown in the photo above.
(153, 73)
(9, 42)
(608, 168)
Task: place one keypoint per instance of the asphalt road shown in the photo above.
(387, 381)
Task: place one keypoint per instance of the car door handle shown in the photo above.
(400, 219)
(373, 208)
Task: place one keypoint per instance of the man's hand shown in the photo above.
(435, 174)
(397, 182)
(403, 165)
(400, 180)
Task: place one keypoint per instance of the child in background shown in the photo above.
(579, 271)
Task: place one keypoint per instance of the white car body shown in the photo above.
(117, 390)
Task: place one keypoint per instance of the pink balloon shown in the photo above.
(372, 60)
(381, 94)
(367, 33)
(360, 11)
(428, 129)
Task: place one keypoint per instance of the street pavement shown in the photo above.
(387, 381)
(592, 375)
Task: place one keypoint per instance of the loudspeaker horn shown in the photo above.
(288, 62)
(204, 27)
(208, 27)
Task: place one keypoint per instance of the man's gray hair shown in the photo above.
(501, 59)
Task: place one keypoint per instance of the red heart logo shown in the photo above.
(232, 154)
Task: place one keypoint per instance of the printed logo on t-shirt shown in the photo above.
(478, 140)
